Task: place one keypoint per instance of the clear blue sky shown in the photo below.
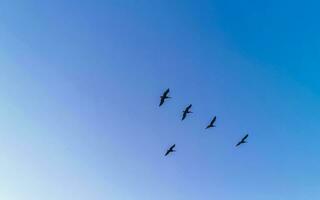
(80, 83)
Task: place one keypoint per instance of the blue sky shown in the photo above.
(80, 83)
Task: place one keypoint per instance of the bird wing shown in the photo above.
(245, 137)
(189, 106)
(166, 92)
(238, 143)
(172, 147)
(213, 120)
(184, 115)
(161, 101)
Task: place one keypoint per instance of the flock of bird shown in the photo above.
(185, 113)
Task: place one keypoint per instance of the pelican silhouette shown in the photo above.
(170, 150)
(186, 112)
(211, 125)
(164, 97)
(243, 140)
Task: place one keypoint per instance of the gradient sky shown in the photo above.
(79, 90)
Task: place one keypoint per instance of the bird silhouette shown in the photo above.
(243, 140)
(170, 150)
(186, 112)
(211, 125)
(164, 97)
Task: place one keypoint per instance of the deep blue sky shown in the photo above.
(80, 83)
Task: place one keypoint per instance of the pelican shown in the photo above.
(170, 150)
(186, 111)
(164, 97)
(211, 125)
(243, 140)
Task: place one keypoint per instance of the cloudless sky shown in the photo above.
(79, 91)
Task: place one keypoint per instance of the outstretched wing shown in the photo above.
(166, 92)
(245, 137)
(213, 120)
(239, 143)
(184, 115)
(161, 101)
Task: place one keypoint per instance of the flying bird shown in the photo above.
(211, 125)
(164, 97)
(186, 112)
(243, 140)
(170, 150)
